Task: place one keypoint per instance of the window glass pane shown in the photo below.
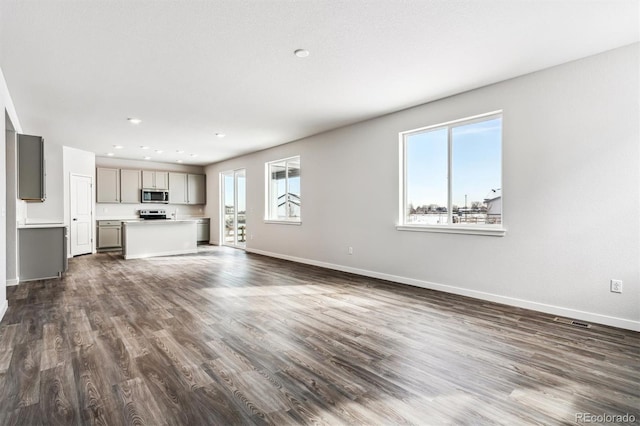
(294, 189)
(284, 189)
(242, 208)
(278, 188)
(477, 173)
(229, 209)
(426, 177)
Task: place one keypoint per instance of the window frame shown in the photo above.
(498, 230)
(271, 217)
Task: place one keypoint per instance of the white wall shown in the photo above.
(571, 194)
(124, 211)
(79, 162)
(6, 105)
(52, 209)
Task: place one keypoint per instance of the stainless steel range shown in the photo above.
(153, 214)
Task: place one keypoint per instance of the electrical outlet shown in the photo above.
(616, 286)
(350, 250)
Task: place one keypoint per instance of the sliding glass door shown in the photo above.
(234, 208)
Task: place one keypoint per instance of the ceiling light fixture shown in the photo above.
(118, 146)
(178, 161)
(193, 155)
(220, 135)
(110, 154)
(180, 151)
(147, 158)
(134, 120)
(144, 147)
(159, 151)
(301, 53)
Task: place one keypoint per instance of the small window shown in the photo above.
(283, 190)
(452, 177)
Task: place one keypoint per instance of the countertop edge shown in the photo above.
(42, 225)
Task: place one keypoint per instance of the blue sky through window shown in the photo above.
(476, 160)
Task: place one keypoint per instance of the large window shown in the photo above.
(283, 190)
(452, 176)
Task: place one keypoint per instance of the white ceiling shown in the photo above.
(77, 69)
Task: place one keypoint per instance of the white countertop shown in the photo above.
(133, 218)
(157, 221)
(41, 225)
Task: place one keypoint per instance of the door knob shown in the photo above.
(75, 218)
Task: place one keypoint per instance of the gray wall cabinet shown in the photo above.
(108, 185)
(155, 180)
(118, 186)
(31, 168)
(187, 188)
(178, 188)
(130, 186)
(197, 189)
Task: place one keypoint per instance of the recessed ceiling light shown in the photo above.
(118, 146)
(180, 151)
(134, 120)
(193, 155)
(144, 147)
(301, 53)
(220, 135)
(159, 151)
(178, 161)
(147, 158)
(110, 154)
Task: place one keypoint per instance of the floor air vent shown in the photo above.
(572, 322)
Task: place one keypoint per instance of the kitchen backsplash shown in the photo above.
(127, 211)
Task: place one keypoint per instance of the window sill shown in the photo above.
(284, 222)
(469, 230)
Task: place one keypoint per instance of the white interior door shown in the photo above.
(81, 231)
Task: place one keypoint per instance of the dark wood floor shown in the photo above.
(224, 338)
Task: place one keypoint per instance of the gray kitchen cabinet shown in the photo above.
(130, 186)
(152, 179)
(178, 191)
(109, 235)
(196, 189)
(42, 252)
(187, 188)
(31, 168)
(202, 226)
(117, 186)
(108, 185)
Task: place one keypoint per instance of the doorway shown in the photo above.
(11, 229)
(234, 208)
(80, 232)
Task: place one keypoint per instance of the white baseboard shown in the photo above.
(3, 308)
(14, 281)
(511, 301)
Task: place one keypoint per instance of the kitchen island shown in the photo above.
(164, 237)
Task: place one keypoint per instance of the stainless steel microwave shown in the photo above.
(155, 196)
